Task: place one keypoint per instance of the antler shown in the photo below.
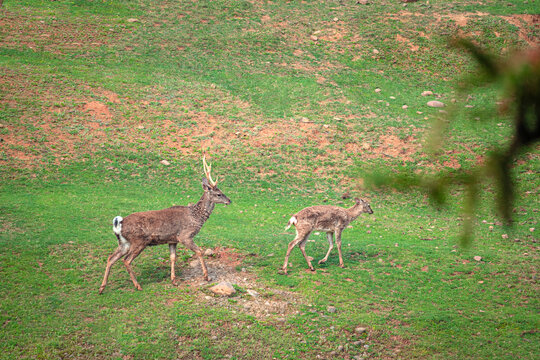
(207, 170)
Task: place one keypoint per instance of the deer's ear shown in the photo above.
(205, 184)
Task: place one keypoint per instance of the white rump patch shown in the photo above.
(117, 225)
(292, 221)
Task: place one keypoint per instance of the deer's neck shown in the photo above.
(354, 212)
(202, 209)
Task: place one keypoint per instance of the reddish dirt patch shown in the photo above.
(55, 36)
(524, 22)
(97, 109)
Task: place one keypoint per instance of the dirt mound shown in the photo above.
(252, 297)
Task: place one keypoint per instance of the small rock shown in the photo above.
(362, 2)
(209, 252)
(223, 288)
(340, 348)
(366, 146)
(132, 20)
(253, 293)
(469, 106)
(504, 236)
(531, 229)
(140, 127)
(377, 90)
(435, 103)
(165, 162)
(358, 343)
(393, 97)
(360, 330)
(314, 38)
(375, 51)
(477, 258)
(331, 309)
(336, 19)
(427, 93)
(270, 255)
(404, 107)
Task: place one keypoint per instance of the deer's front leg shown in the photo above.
(193, 247)
(172, 251)
(330, 247)
(338, 243)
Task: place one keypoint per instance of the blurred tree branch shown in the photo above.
(520, 75)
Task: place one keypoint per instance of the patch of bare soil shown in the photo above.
(223, 265)
(525, 23)
(56, 36)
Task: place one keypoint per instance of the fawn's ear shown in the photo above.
(205, 184)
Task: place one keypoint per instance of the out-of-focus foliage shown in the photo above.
(520, 75)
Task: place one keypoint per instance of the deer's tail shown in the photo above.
(292, 221)
(117, 225)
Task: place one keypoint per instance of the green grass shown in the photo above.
(90, 103)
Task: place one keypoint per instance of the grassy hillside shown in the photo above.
(296, 102)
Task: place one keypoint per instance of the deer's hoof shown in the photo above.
(322, 261)
(342, 266)
(101, 290)
(312, 268)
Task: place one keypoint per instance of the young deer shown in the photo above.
(332, 219)
(177, 224)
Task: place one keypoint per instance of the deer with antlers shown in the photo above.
(177, 224)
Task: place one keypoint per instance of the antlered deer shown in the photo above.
(331, 219)
(177, 224)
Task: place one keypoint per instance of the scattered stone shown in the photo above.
(366, 146)
(132, 20)
(477, 258)
(331, 309)
(209, 252)
(314, 38)
(362, 2)
(340, 348)
(469, 106)
(504, 236)
(405, 107)
(360, 330)
(358, 343)
(435, 103)
(375, 51)
(427, 93)
(223, 288)
(270, 255)
(253, 293)
(165, 162)
(393, 97)
(531, 229)
(336, 19)
(377, 90)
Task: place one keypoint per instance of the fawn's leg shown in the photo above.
(132, 254)
(188, 243)
(115, 256)
(172, 251)
(338, 243)
(302, 247)
(299, 237)
(330, 247)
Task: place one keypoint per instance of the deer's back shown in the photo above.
(157, 226)
(322, 217)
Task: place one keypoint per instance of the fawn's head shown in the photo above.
(210, 186)
(364, 205)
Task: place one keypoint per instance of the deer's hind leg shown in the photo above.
(301, 237)
(134, 251)
(172, 251)
(120, 252)
(329, 236)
